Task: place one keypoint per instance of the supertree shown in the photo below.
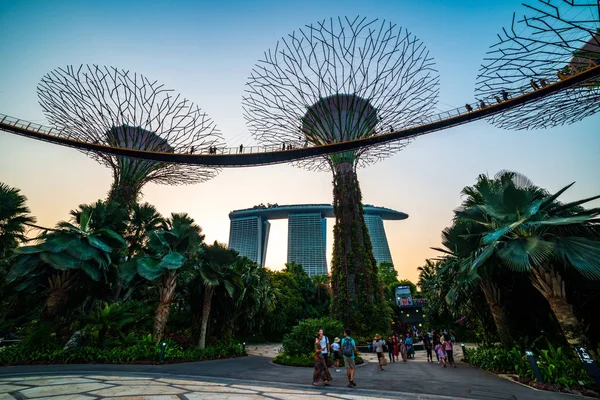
(334, 81)
(106, 105)
(557, 39)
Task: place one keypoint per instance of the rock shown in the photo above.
(77, 340)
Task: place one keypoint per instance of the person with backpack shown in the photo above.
(349, 352)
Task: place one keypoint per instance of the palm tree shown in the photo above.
(321, 285)
(530, 231)
(61, 256)
(144, 219)
(213, 271)
(107, 215)
(460, 241)
(14, 217)
(167, 252)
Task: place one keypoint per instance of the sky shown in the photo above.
(206, 51)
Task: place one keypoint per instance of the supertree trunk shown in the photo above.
(356, 296)
(124, 191)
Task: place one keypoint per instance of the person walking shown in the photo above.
(390, 349)
(448, 347)
(336, 350)
(403, 348)
(428, 346)
(320, 371)
(349, 351)
(378, 345)
(439, 350)
(396, 347)
(325, 346)
(434, 342)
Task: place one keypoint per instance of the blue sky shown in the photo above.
(206, 52)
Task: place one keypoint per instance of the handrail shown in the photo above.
(264, 155)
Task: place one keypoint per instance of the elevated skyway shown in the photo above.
(265, 155)
(275, 211)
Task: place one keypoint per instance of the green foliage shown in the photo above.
(494, 359)
(142, 351)
(557, 365)
(387, 273)
(301, 340)
(14, 216)
(295, 300)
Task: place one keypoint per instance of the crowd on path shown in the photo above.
(397, 347)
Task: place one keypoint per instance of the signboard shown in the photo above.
(403, 296)
(588, 363)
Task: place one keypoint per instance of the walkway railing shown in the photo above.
(262, 155)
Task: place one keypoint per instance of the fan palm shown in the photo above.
(14, 217)
(528, 230)
(62, 255)
(461, 240)
(167, 251)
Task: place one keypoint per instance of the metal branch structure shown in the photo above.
(106, 105)
(338, 80)
(333, 82)
(558, 39)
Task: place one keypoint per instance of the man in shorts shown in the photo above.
(349, 352)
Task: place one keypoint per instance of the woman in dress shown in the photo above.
(396, 347)
(403, 348)
(320, 372)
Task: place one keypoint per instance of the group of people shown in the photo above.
(397, 346)
(443, 345)
(344, 348)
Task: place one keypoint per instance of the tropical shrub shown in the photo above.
(144, 350)
(495, 359)
(301, 340)
(557, 365)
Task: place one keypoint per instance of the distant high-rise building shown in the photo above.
(307, 228)
(306, 242)
(381, 249)
(249, 236)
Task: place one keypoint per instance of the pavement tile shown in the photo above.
(272, 389)
(72, 397)
(11, 388)
(215, 389)
(189, 382)
(147, 398)
(6, 396)
(137, 390)
(134, 382)
(222, 396)
(55, 390)
(116, 377)
(58, 381)
(35, 377)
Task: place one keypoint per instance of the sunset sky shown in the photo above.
(205, 51)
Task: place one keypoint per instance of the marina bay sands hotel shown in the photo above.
(249, 232)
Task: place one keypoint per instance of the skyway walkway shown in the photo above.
(264, 155)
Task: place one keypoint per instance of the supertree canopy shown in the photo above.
(558, 38)
(105, 105)
(335, 81)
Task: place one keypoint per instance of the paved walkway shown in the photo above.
(257, 377)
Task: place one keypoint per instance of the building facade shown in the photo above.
(307, 231)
